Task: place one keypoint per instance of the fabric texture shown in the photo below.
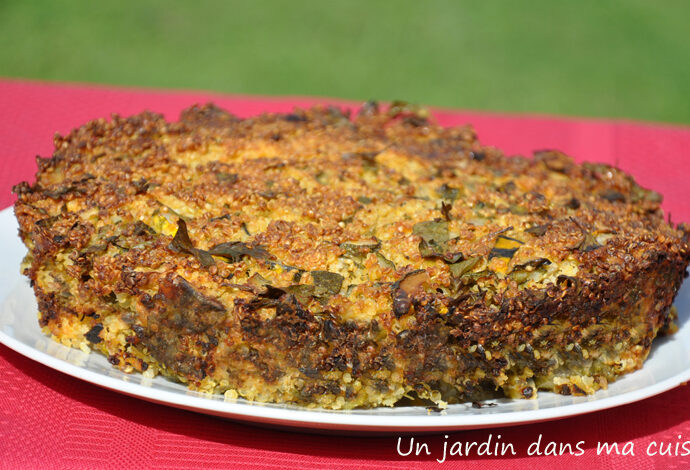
(50, 420)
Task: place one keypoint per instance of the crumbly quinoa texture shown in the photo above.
(338, 261)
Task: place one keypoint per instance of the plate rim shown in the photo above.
(318, 419)
(339, 420)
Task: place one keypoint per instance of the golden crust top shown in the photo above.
(384, 221)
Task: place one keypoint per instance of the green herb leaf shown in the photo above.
(537, 230)
(612, 195)
(448, 192)
(434, 250)
(385, 262)
(520, 276)
(229, 178)
(400, 107)
(432, 230)
(429, 249)
(327, 283)
(233, 251)
(182, 243)
(366, 159)
(522, 272)
(517, 209)
(641, 194)
(302, 292)
(589, 243)
(459, 269)
(361, 249)
(434, 234)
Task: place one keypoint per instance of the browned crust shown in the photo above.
(212, 321)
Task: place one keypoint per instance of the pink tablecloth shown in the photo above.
(50, 420)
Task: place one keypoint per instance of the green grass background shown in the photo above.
(617, 58)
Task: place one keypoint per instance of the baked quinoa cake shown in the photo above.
(327, 261)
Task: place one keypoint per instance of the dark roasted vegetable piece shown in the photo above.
(93, 335)
(505, 247)
(404, 290)
(182, 243)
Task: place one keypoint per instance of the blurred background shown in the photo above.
(615, 59)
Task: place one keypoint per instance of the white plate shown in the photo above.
(667, 366)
